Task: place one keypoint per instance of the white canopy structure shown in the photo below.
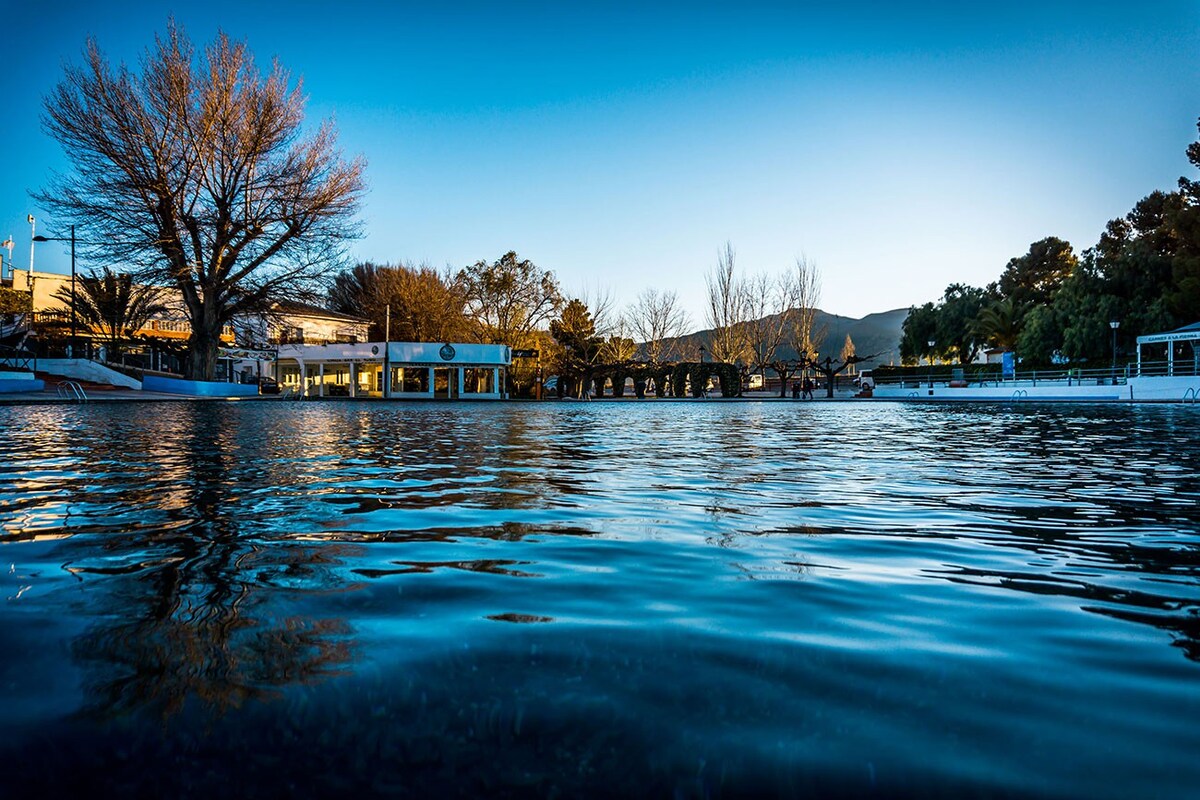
(1188, 334)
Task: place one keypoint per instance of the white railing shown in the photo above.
(1064, 377)
(1161, 368)
(71, 390)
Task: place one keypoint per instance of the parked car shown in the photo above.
(266, 384)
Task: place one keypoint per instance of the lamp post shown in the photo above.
(8, 244)
(1116, 323)
(932, 343)
(74, 315)
(32, 239)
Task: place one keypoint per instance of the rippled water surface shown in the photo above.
(668, 599)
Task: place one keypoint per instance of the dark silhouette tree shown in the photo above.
(580, 346)
(425, 305)
(113, 306)
(830, 369)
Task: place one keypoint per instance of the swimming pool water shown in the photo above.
(645, 599)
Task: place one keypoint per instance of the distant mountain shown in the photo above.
(875, 334)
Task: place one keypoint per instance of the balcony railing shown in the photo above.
(149, 329)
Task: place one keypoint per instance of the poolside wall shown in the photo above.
(156, 383)
(1048, 392)
(82, 369)
(20, 382)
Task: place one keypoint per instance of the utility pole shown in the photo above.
(387, 348)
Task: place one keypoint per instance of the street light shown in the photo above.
(932, 343)
(8, 244)
(72, 241)
(1116, 323)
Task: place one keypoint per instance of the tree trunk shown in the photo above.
(202, 352)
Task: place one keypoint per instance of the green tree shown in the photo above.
(956, 331)
(575, 332)
(1184, 298)
(14, 302)
(998, 324)
(198, 171)
(919, 328)
(1034, 278)
(507, 300)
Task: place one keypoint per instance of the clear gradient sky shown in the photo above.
(620, 145)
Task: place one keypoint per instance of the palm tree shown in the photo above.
(999, 324)
(113, 306)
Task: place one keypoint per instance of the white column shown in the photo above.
(353, 379)
(321, 378)
(1170, 358)
(432, 387)
(387, 379)
(496, 381)
(459, 371)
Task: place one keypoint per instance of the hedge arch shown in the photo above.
(669, 379)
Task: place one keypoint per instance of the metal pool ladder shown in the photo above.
(1189, 396)
(71, 390)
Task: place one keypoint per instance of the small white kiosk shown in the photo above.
(401, 370)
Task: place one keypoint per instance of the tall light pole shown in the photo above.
(8, 244)
(1116, 323)
(932, 343)
(32, 239)
(74, 316)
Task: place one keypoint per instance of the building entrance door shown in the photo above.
(445, 383)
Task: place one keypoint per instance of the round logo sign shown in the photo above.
(374, 349)
(447, 352)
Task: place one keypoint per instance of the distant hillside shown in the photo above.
(875, 334)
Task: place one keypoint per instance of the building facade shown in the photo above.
(402, 370)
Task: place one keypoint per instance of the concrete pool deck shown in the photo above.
(51, 397)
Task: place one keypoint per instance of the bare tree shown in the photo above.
(657, 320)
(805, 337)
(195, 171)
(768, 298)
(602, 305)
(727, 310)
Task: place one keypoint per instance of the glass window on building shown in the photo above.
(411, 380)
(478, 380)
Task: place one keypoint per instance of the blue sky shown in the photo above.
(901, 149)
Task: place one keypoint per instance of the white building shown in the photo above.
(407, 370)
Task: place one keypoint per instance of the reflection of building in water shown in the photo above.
(397, 369)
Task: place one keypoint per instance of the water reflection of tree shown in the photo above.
(204, 616)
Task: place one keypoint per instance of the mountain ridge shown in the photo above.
(876, 334)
